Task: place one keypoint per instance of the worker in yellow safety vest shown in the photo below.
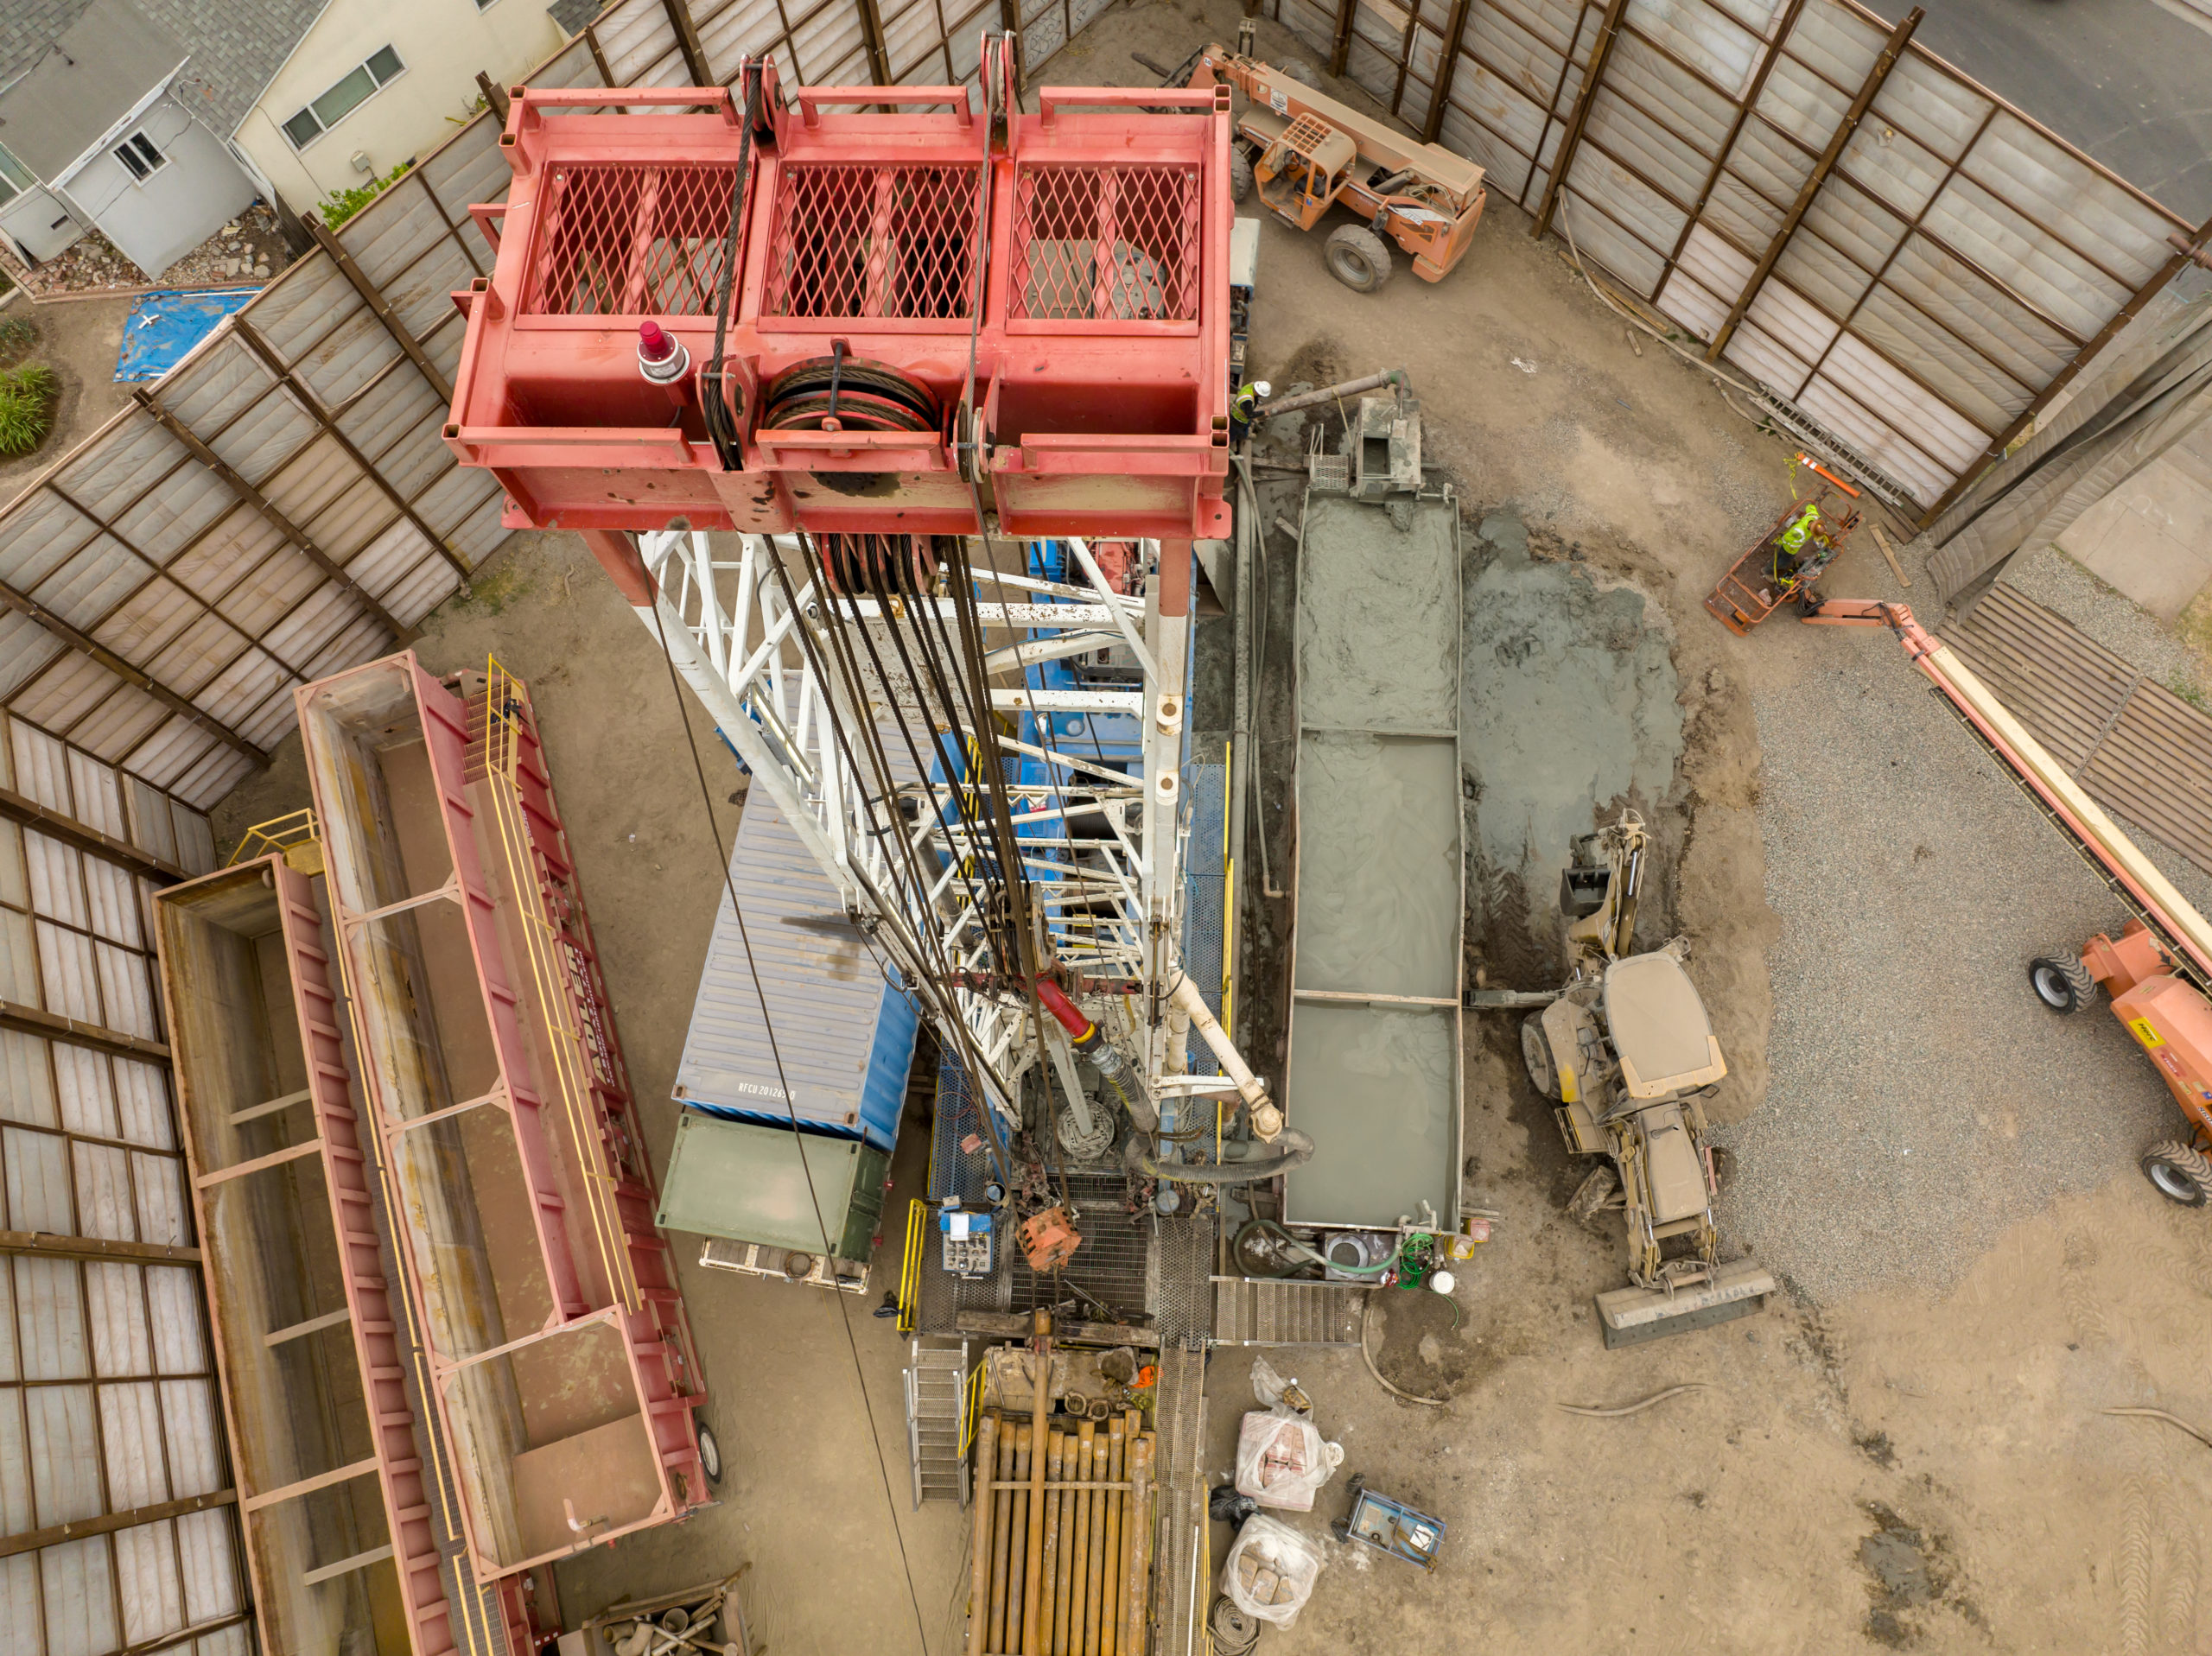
(1243, 406)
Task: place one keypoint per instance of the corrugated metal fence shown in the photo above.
(1913, 264)
(118, 1524)
(279, 506)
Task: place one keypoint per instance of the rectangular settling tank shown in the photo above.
(339, 1462)
(561, 1357)
(1374, 1070)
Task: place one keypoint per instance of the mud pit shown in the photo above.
(1570, 714)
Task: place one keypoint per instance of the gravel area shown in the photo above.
(1921, 1101)
(2056, 582)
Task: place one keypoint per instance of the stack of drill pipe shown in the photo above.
(1093, 1554)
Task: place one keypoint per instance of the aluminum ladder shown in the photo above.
(937, 1421)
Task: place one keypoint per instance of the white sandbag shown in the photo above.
(1281, 1460)
(1271, 1570)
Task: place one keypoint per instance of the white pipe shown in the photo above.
(1266, 1120)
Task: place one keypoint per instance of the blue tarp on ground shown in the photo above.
(163, 327)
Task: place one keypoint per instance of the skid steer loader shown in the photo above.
(1627, 1057)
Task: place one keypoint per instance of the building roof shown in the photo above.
(238, 47)
(100, 66)
(28, 27)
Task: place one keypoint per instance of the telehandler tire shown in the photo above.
(2063, 983)
(1536, 1057)
(2178, 1173)
(1357, 257)
(1240, 173)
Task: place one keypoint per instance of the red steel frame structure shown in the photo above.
(1088, 394)
(561, 1356)
(260, 899)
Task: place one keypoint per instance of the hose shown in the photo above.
(1395, 1391)
(1293, 1149)
(1638, 1408)
(1306, 1254)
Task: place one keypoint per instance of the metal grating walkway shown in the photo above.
(1182, 1565)
(1247, 1312)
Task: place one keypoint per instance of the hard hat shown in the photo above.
(1260, 386)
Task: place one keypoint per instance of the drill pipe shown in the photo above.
(1018, 1549)
(1042, 1404)
(1055, 1470)
(979, 1576)
(1108, 1598)
(1001, 1501)
(1095, 1557)
(1137, 1595)
(1079, 1576)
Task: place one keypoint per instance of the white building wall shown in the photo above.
(156, 220)
(442, 42)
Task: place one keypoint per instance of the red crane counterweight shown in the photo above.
(939, 320)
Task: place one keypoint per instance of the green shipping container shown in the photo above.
(745, 1183)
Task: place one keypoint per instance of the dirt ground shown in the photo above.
(79, 339)
(1925, 1466)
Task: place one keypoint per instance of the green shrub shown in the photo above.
(340, 204)
(27, 398)
(17, 333)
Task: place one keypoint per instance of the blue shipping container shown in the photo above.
(846, 1036)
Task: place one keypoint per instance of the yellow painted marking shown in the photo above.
(1565, 1085)
(2144, 1033)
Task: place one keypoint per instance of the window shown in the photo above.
(139, 157)
(14, 177)
(352, 89)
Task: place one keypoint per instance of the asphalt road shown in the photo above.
(2128, 81)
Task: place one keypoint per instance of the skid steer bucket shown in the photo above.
(1632, 1316)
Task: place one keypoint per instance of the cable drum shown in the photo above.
(842, 393)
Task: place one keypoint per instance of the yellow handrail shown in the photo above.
(505, 695)
(910, 1265)
(296, 833)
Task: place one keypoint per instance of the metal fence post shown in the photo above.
(269, 510)
(321, 416)
(1892, 50)
(1735, 130)
(687, 43)
(373, 296)
(1453, 28)
(2191, 251)
(1600, 49)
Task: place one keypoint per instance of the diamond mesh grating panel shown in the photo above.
(630, 241)
(867, 241)
(1106, 243)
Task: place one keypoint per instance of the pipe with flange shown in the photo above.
(1090, 1042)
(1266, 1120)
(1330, 393)
(1290, 1149)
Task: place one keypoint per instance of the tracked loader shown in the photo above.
(1627, 1056)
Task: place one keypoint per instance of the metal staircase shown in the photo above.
(1247, 1311)
(937, 1421)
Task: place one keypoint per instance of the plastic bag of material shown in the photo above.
(1271, 1570)
(1281, 1460)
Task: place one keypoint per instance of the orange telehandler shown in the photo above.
(1307, 153)
(2157, 971)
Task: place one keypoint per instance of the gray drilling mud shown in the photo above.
(1378, 641)
(1375, 1089)
(1570, 707)
(1380, 864)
